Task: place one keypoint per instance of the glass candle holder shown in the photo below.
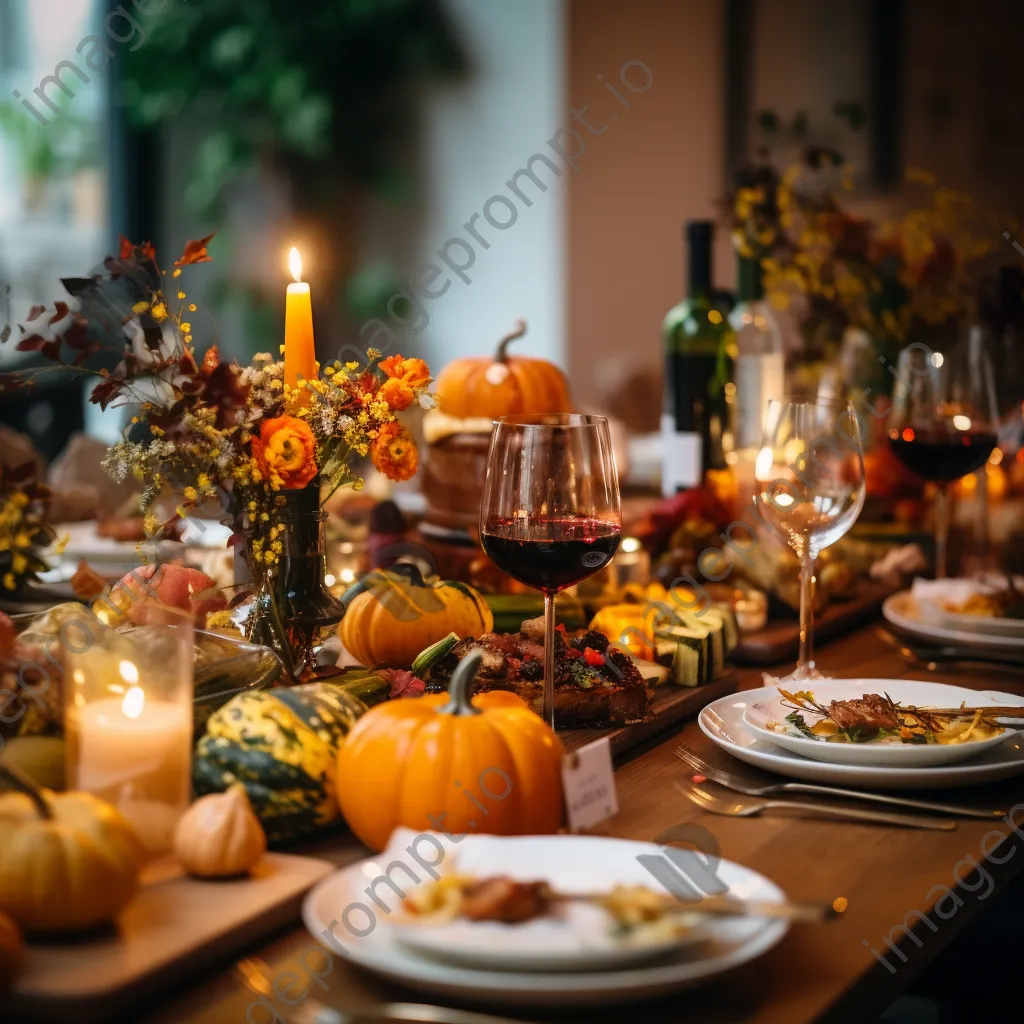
(128, 721)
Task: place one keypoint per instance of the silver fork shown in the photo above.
(739, 784)
(749, 807)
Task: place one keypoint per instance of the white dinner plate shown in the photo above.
(929, 596)
(722, 722)
(904, 612)
(360, 896)
(767, 718)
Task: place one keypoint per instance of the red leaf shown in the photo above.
(195, 252)
(33, 343)
(51, 349)
(76, 336)
(210, 361)
(34, 313)
(60, 310)
(129, 249)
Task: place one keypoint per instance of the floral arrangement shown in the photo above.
(23, 530)
(220, 436)
(902, 280)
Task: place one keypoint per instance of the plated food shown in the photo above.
(505, 964)
(877, 718)
(727, 723)
(918, 613)
(991, 605)
(540, 927)
(882, 722)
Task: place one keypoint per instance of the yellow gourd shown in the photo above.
(391, 615)
(220, 835)
(68, 861)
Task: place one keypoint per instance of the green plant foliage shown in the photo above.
(323, 90)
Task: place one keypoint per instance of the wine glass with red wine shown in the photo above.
(550, 514)
(943, 420)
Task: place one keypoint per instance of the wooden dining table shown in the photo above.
(843, 970)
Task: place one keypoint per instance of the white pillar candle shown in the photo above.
(134, 752)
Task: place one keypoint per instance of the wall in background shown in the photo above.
(658, 164)
(475, 136)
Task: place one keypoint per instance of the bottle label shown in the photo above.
(759, 379)
(681, 457)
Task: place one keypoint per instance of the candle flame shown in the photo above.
(295, 263)
(133, 702)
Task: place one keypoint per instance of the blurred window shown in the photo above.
(54, 220)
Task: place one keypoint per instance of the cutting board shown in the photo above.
(175, 927)
(780, 640)
(669, 706)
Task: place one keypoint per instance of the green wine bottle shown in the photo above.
(699, 344)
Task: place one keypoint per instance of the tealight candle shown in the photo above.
(751, 611)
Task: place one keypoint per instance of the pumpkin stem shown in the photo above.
(19, 781)
(458, 689)
(501, 356)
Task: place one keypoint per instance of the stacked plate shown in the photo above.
(752, 727)
(923, 611)
(569, 958)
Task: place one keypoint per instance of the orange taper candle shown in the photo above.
(299, 350)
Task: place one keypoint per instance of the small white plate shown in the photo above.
(580, 863)
(904, 612)
(722, 722)
(767, 718)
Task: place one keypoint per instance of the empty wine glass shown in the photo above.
(943, 420)
(550, 514)
(810, 490)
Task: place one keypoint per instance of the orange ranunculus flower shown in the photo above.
(285, 452)
(404, 376)
(394, 452)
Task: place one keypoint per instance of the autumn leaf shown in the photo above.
(210, 361)
(35, 313)
(87, 583)
(195, 252)
(128, 249)
(60, 310)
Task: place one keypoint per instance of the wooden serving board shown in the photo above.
(174, 927)
(670, 706)
(780, 640)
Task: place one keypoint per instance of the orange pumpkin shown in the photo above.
(443, 763)
(479, 387)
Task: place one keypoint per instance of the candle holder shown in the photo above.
(292, 603)
(128, 722)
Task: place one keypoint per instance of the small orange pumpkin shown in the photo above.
(479, 387)
(443, 763)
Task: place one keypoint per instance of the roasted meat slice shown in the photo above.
(502, 899)
(869, 714)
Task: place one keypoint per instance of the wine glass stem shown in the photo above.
(549, 659)
(941, 531)
(805, 662)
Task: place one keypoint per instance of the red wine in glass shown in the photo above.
(942, 454)
(550, 553)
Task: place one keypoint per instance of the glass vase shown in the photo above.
(291, 603)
